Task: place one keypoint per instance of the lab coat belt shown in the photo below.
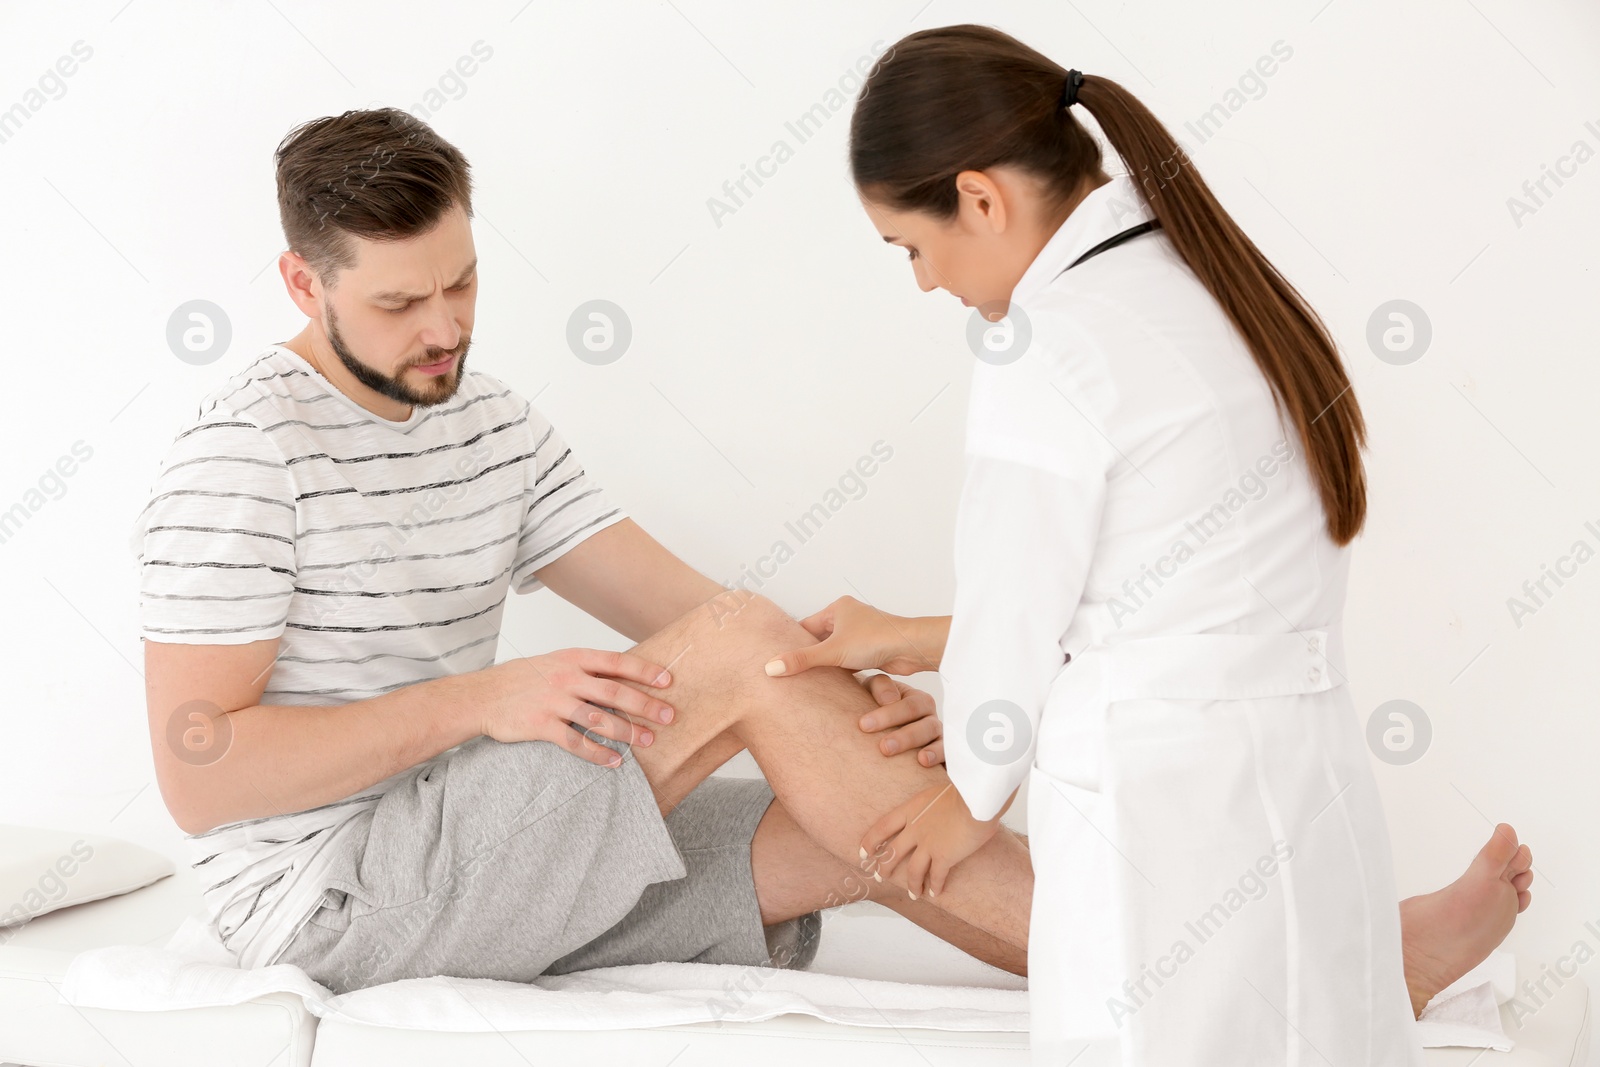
(1211, 666)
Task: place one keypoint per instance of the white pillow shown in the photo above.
(42, 870)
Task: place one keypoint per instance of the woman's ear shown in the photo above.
(983, 206)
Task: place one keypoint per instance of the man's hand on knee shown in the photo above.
(555, 696)
(911, 717)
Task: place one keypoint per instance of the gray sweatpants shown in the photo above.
(510, 861)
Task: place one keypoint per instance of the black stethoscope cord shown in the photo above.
(1111, 242)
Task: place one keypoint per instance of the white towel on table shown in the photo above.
(1467, 1011)
(194, 970)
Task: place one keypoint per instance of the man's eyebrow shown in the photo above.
(891, 237)
(393, 295)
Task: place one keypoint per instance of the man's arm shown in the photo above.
(628, 580)
(247, 760)
(221, 756)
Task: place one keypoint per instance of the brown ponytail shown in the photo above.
(958, 98)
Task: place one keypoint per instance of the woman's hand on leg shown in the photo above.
(916, 844)
(910, 717)
(860, 637)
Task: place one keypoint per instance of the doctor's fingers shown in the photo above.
(911, 736)
(915, 876)
(830, 652)
(897, 703)
(891, 864)
(910, 709)
(937, 873)
(875, 843)
(884, 689)
(819, 625)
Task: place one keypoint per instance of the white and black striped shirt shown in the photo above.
(378, 552)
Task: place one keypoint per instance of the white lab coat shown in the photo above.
(1213, 882)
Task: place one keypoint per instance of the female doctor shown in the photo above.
(1163, 474)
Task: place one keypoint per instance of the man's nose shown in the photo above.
(441, 331)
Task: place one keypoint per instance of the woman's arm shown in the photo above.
(861, 637)
(929, 634)
(1024, 540)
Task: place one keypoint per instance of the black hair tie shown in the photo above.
(1069, 95)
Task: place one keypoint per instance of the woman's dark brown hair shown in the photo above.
(382, 174)
(958, 98)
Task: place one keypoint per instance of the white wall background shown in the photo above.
(772, 350)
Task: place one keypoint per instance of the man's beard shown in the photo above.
(396, 388)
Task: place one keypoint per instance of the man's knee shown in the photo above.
(724, 644)
(742, 608)
(750, 618)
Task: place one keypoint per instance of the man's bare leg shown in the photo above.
(794, 875)
(1444, 933)
(802, 731)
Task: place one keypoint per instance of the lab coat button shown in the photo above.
(1315, 643)
(1313, 674)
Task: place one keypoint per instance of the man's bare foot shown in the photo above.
(1446, 933)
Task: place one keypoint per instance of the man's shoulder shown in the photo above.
(235, 414)
(262, 391)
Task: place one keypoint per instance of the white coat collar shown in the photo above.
(1105, 212)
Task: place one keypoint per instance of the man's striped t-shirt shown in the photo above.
(378, 552)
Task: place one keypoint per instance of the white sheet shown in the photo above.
(193, 970)
(1467, 1012)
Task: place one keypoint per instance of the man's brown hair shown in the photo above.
(381, 174)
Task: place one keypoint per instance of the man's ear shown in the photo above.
(298, 279)
(982, 205)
